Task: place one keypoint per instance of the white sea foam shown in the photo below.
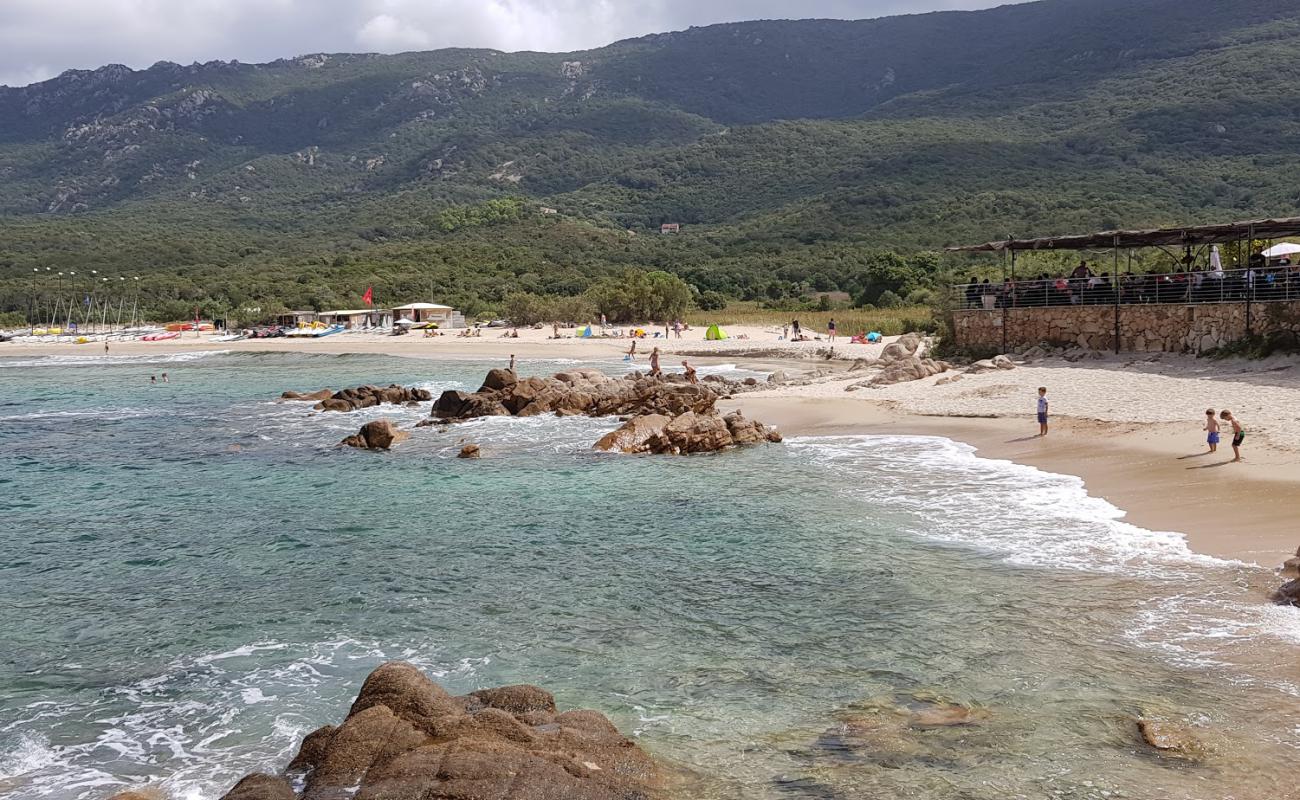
(1028, 516)
(109, 360)
(97, 414)
(153, 730)
(1038, 519)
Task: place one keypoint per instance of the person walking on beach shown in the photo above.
(690, 372)
(677, 328)
(631, 351)
(830, 329)
(655, 372)
(1238, 433)
(512, 362)
(1212, 430)
(105, 348)
(1042, 410)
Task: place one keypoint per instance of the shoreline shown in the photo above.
(1152, 470)
(1140, 470)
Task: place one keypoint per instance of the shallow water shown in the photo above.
(194, 578)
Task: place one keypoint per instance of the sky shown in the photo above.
(41, 38)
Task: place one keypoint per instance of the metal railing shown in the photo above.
(1268, 284)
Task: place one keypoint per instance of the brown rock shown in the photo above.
(1169, 738)
(463, 405)
(261, 787)
(333, 404)
(134, 794)
(379, 434)
(694, 433)
(470, 451)
(407, 739)
(323, 394)
(498, 379)
(1288, 594)
(520, 699)
(634, 435)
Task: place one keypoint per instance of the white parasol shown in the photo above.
(405, 321)
(1283, 249)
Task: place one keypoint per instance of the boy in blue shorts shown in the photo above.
(1042, 410)
(1212, 430)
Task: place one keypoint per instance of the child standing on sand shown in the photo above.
(1212, 430)
(1238, 433)
(1042, 410)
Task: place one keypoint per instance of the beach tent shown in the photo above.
(715, 334)
(586, 332)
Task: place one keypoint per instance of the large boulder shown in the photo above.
(379, 434)
(463, 405)
(635, 434)
(407, 739)
(498, 379)
(907, 369)
(694, 433)
(1291, 567)
(749, 431)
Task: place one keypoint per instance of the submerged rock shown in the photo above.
(470, 451)
(380, 434)
(406, 737)
(315, 397)
(1170, 738)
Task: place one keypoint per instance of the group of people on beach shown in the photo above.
(1212, 425)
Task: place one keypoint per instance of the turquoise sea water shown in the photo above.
(193, 577)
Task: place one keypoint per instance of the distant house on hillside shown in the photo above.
(670, 227)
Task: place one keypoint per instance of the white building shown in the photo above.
(420, 313)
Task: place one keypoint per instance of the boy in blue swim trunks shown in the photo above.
(1042, 410)
(1212, 430)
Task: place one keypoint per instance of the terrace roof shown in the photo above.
(1189, 236)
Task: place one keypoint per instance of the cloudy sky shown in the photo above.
(41, 38)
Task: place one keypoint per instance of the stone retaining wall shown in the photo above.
(1142, 328)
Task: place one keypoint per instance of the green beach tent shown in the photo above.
(715, 334)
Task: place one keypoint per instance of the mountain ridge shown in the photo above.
(774, 139)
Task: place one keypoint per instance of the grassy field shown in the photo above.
(889, 321)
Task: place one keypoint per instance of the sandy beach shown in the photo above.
(1128, 425)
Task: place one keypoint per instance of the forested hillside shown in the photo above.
(798, 156)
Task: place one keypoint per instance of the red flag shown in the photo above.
(369, 296)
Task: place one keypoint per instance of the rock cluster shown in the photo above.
(665, 415)
(1291, 567)
(686, 434)
(901, 361)
(1288, 594)
(571, 393)
(990, 365)
(361, 397)
(405, 737)
(1170, 738)
(380, 434)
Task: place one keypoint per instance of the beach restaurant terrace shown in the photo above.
(1196, 272)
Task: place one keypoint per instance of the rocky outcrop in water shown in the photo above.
(380, 434)
(361, 397)
(686, 434)
(406, 738)
(1288, 594)
(576, 392)
(1291, 567)
(1170, 739)
(665, 415)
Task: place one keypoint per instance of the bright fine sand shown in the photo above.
(1129, 425)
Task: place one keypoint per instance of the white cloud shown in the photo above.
(39, 38)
